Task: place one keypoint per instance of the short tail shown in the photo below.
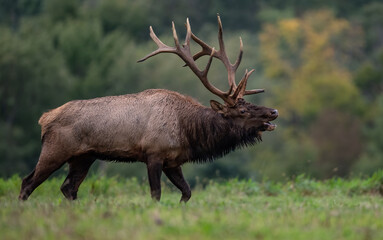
(47, 118)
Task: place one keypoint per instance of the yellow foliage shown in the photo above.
(289, 29)
(300, 55)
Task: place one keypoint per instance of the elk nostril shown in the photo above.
(274, 112)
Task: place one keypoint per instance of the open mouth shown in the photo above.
(269, 126)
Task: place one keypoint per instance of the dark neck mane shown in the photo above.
(210, 136)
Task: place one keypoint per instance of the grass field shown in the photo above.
(113, 208)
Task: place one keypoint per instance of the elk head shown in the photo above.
(242, 113)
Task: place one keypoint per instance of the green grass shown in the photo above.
(111, 208)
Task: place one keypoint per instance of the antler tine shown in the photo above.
(220, 36)
(239, 59)
(176, 42)
(204, 73)
(242, 85)
(161, 46)
(188, 33)
(241, 90)
(254, 91)
(223, 56)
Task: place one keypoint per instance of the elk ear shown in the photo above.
(219, 108)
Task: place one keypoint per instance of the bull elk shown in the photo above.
(161, 128)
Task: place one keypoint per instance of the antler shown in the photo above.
(230, 97)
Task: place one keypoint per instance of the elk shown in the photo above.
(161, 128)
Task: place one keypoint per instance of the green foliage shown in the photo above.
(283, 155)
(371, 18)
(61, 10)
(127, 16)
(79, 42)
(369, 77)
(371, 159)
(372, 185)
(30, 73)
(117, 208)
(322, 69)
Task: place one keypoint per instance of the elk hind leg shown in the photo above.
(24, 186)
(47, 164)
(78, 169)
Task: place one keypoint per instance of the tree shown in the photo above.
(372, 158)
(303, 58)
(369, 77)
(307, 60)
(31, 72)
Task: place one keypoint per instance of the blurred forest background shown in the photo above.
(320, 61)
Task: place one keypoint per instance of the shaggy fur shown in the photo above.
(211, 136)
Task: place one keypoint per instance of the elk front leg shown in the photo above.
(177, 178)
(154, 176)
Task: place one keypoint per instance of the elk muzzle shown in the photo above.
(268, 125)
